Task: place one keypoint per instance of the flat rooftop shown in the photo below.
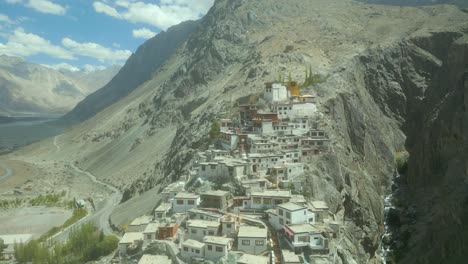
(163, 207)
(291, 206)
(151, 259)
(319, 205)
(202, 223)
(217, 240)
(216, 193)
(303, 228)
(142, 220)
(290, 257)
(193, 243)
(272, 193)
(252, 259)
(151, 228)
(252, 231)
(131, 237)
(204, 212)
(184, 195)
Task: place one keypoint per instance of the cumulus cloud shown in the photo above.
(62, 66)
(94, 50)
(43, 6)
(21, 43)
(91, 68)
(24, 44)
(5, 19)
(163, 15)
(106, 9)
(143, 33)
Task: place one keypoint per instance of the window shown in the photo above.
(211, 233)
(204, 232)
(303, 239)
(287, 222)
(278, 201)
(280, 211)
(203, 167)
(246, 242)
(266, 200)
(180, 201)
(192, 250)
(219, 249)
(281, 221)
(210, 247)
(160, 215)
(228, 225)
(186, 249)
(259, 242)
(148, 237)
(193, 231)
(197, 251)
(256, 200)
(288, 215)
(191, 202)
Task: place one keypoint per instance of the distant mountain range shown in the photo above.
(32, 88)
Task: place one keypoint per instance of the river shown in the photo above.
(22, 130)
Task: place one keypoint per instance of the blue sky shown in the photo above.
(78, 34)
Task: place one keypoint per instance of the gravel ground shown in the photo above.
(32, 220)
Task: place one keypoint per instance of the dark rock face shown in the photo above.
(138, 69)
(422, 83)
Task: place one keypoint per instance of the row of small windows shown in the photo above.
(257, 242)
(186, 249)
(190, 202)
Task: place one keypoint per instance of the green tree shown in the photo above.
(215, 130)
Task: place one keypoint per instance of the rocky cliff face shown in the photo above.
(389, 73)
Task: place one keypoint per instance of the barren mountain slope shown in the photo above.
(32, 88)
(380, 61)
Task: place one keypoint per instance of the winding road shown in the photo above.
(101, 216)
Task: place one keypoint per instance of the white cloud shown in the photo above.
(45, 6)
(106, 9)
(163, 15)
(94, 50)
(21, 43)
(62, 66)
(90, 68)
(143, 33)
(5, 19)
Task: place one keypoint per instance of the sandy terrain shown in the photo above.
(32, 220)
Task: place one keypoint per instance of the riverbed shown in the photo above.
(22, 130)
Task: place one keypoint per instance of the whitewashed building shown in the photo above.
(289, 214)
(198, 229)
(150, 233)
(151, 259)
(287, 172)
(229, 226)
(300, 236)
(162, 211)
(130, 241)
(217, 247)
(183, 202)
(268, 199)
(139, 224)
(192, 249)
(199, 214)
(252, 240)
(264, 161)
(276, 92)
(320, 209)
